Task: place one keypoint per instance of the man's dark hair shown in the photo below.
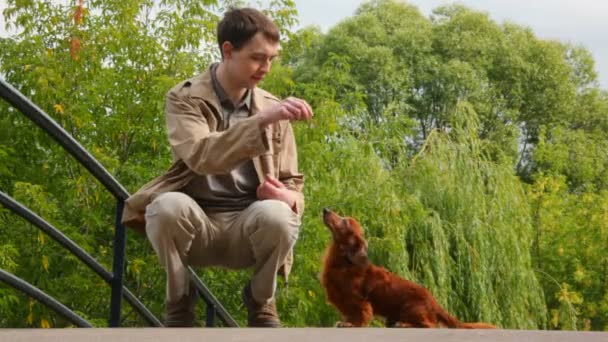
(239, 25)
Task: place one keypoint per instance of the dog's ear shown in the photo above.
(357, 253)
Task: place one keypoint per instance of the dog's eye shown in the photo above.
(352, 241)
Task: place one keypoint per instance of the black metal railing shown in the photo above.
(71, 246)
(115, 279)
(43, 298)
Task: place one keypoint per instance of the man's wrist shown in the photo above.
(291, 200)
(262, 121)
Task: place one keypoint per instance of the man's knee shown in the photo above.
(276, 218)
(164, 212)
(168, 206)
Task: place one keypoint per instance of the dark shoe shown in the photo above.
(260, 315)
(181, 313)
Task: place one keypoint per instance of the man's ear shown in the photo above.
(227, 49)
(358, 254)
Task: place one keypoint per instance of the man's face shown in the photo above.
(248, 66)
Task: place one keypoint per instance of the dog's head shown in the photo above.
(348, 237)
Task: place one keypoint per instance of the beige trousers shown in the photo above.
(182, 234)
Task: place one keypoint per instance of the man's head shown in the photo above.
(240, 25)
(248, 42)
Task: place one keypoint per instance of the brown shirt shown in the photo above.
(236, 189)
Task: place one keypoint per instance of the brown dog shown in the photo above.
(360, 290)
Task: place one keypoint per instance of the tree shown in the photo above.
(473, 153)
(537, 102)
(100, 69)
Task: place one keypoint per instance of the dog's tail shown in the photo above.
(447, 319)
(451, 321)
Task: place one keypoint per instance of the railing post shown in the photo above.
(117, 267)
(212, 303)
(210, 319)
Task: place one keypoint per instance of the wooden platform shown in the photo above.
(294, 335)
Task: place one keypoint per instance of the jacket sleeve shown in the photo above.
(204, 151)
(288, 171)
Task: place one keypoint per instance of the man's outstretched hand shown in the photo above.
(292, 108)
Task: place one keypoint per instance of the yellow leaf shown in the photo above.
(41, 238)
(587, 324)
(45, 263)
(44, 324)
(332, 127)
(311, 294)
(554, 318)
(58, 108)
(136, 269)
(579, 274)
(30, 317)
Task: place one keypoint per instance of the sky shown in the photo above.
(580, 22)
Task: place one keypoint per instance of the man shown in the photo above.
(233, 197)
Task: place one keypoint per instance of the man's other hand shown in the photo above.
(272, 188)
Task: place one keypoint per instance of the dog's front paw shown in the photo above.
(340, 324)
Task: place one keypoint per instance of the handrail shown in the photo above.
(42, 297)
(40, 118)
(48, 125)
(71, 246)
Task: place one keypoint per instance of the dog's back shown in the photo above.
(406, 304)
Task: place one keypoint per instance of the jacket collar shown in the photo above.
(201, 86)
(225, 101)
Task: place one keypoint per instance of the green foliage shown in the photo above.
(569, 207)
(101, 71)
(472, 152)
(570, 244)
(471, 229)
(540, 112)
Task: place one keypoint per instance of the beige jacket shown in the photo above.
(193, 115)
